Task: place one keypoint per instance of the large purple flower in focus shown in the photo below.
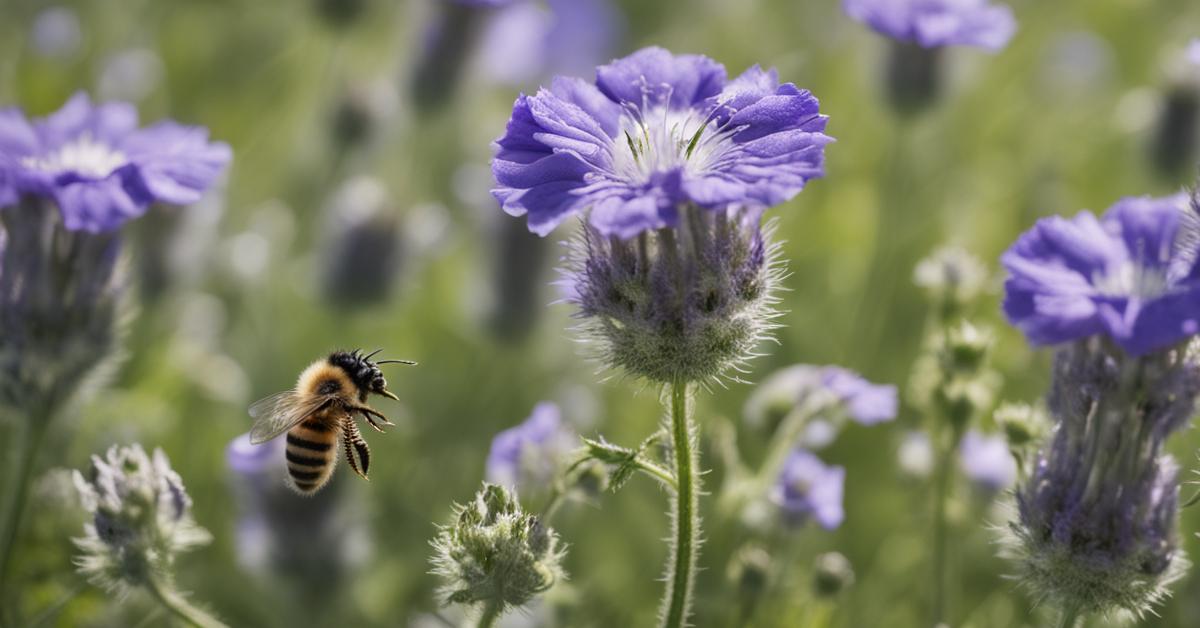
(97, 165)
(1131, 275)
(655, 132)
(808, 489)
(937, 23)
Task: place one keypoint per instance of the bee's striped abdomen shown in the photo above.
(311, 453)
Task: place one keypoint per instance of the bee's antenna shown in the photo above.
(368, 356)
(409, 362)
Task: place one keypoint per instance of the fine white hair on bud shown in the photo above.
(493, 556)
(141, 520)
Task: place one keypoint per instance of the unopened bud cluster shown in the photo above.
(495, 555)
(141, 519)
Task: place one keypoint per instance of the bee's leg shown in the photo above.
(354, 444)
(370, 414)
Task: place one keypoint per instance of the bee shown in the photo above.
(319, 411)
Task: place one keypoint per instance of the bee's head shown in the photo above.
(365, 373)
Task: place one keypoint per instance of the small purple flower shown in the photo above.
(862, 401)
(99, 167)
(249, 460)
(807, 488)
(656, 132)
(987, 461)
(937, 23)
(1193, 52)
(528, 455)
(1131, 275)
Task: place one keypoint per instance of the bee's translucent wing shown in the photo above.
(278, 413)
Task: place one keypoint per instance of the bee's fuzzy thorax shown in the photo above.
(317, 378)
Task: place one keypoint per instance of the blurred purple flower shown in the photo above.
(101, 169)
(527, 456)
(783, 390)
(936, 23)
(248, 460)
(525, 42)
(56, 32)
(1193, 51)
(655, 132)
(987, 461)
(482, 4)
(807, 488)
(1131, 275)
(865, 402)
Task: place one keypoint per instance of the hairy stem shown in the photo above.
(681, 563)
(178, 606)
(941, 529)
(1069, 617)
(490, 614)
(27, 447)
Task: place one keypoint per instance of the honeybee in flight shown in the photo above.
(321, 409)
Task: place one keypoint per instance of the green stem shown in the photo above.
(681, 567)
(1069, 617)
(940, 530)
(491, 613)
(27, 452)
(178, 606)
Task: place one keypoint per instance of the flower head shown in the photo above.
(937, 23)
(529, 455)
(493, 553)
(951, 276)
(808, 489)
(1096, 525)
(99, 167)
(655, 133)
(141, 518)
(1131, 275)
(987, 461)
(686, 305)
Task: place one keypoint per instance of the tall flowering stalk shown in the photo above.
(672, 165)
(951, 385)
(1095, 531)
(68, 183)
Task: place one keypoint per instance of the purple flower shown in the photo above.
(656, 132)
(807, 488)
(865, 402)
(528, 455)
(936, 23)
(987, 461)
(1193, 52)
(525, 42)
(99, 167)
(249, 460)
(862, 401)
(482, 4)
(1131, 275)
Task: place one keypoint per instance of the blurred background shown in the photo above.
(357, 214)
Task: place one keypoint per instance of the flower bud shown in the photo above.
(141, 519)
(1022, 423)
(494, 555)
(966, 349)
(362, 254)
(832, 574)
(952, 277)
(749, 571)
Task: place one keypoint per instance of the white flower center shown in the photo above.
(1133, 279)
(660, 140)
(84, 155)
